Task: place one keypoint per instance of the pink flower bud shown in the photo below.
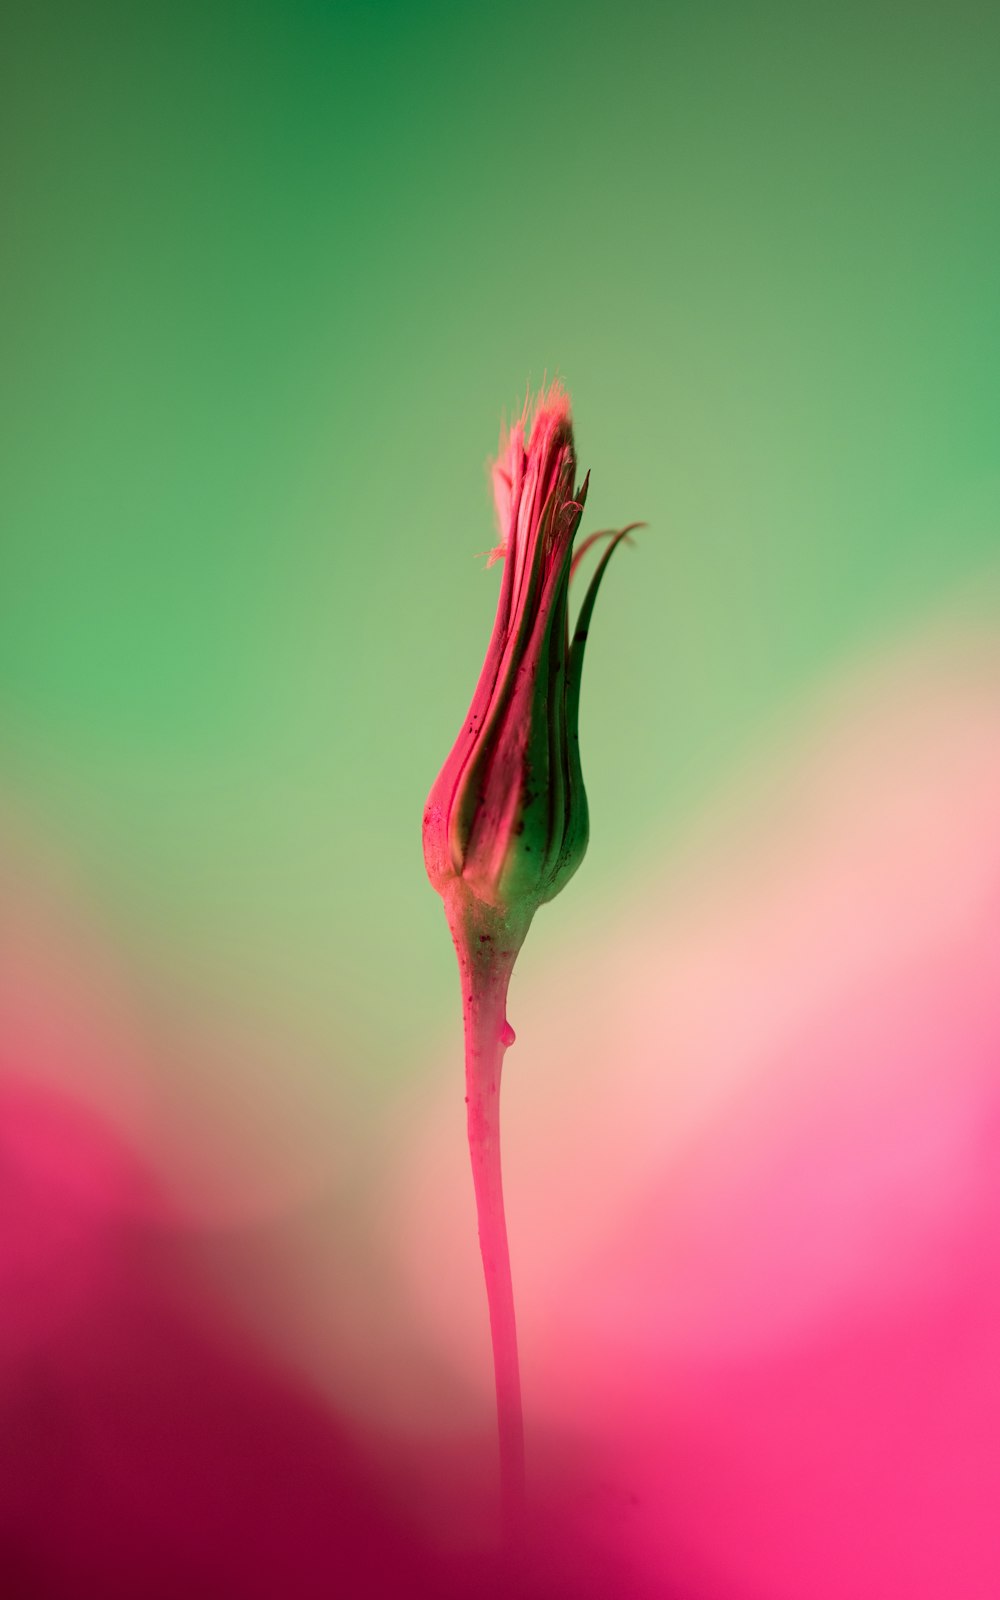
(508, 812)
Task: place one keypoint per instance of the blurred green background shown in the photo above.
(274, 272)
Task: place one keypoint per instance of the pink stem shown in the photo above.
(487, 946)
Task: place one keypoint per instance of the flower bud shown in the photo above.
(508, 812)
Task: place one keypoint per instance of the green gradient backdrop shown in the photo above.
(272, 273)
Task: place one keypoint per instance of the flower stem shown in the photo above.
(487, 945)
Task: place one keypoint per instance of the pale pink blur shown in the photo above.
(752, 1158)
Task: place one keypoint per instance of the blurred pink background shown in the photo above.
(752, 1145)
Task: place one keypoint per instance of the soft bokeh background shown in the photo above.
(272, 273)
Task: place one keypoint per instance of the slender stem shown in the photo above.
(487, 945)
